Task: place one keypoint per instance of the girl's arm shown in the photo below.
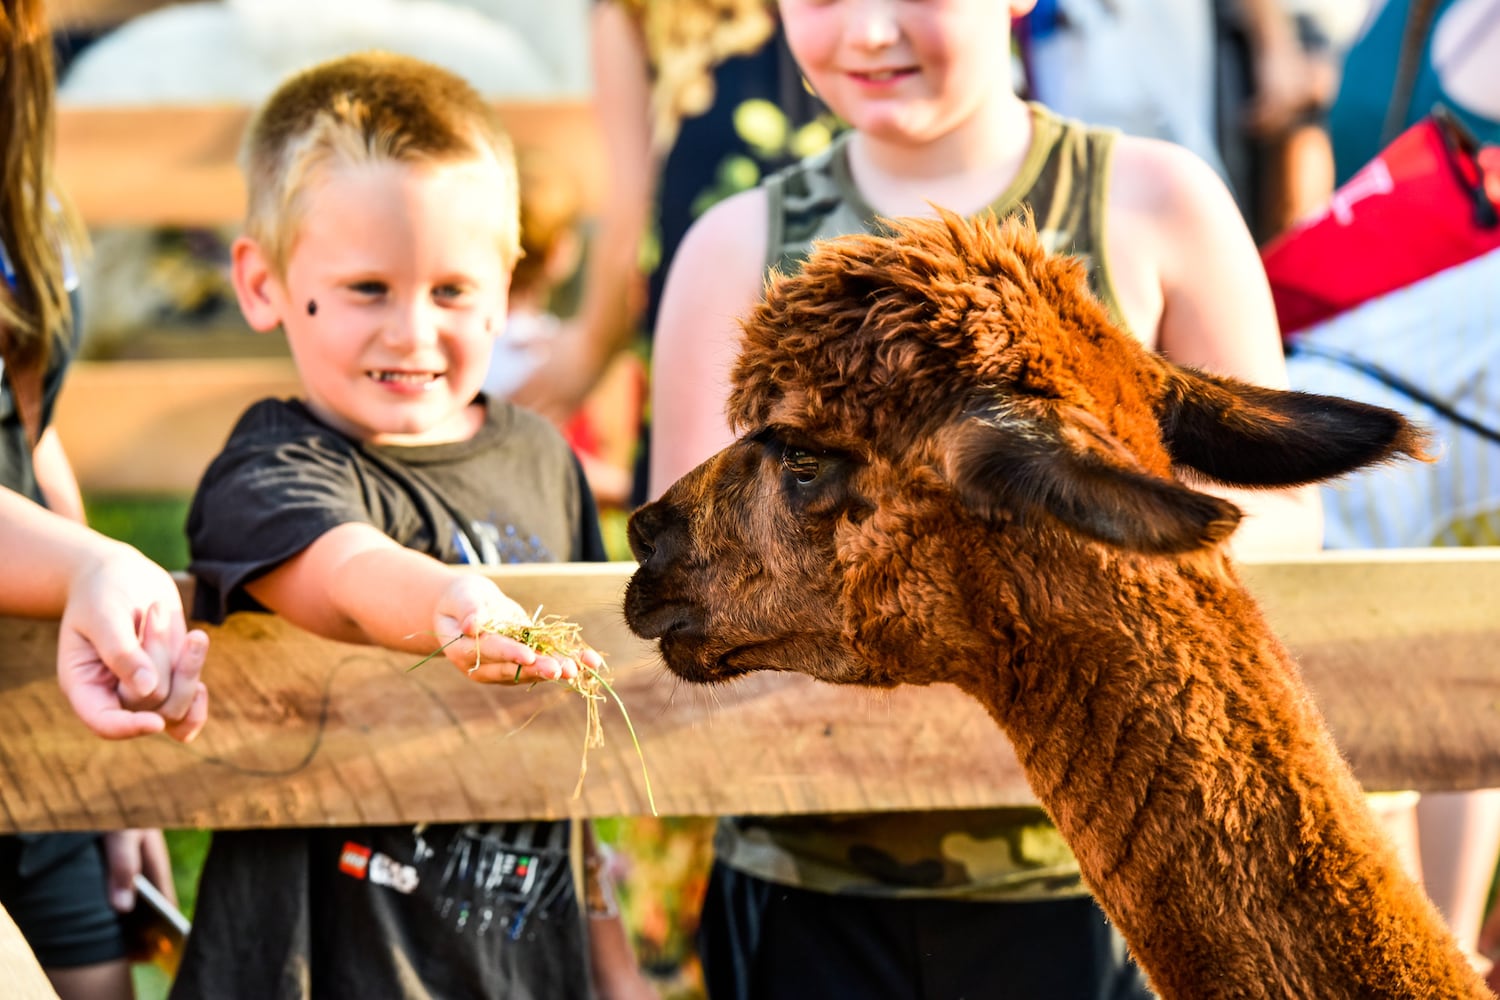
(1171, 215)
(54, 474)
(125, 659)
(716, 277)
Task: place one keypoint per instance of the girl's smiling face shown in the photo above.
(902, 70)
(397, 279)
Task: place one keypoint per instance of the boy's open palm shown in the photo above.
(470, 609)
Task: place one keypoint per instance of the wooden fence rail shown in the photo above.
(1402, 650)
(165, 165)
(151, 427)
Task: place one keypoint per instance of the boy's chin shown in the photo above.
(414, 429)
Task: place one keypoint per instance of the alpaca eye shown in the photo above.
(803, 465)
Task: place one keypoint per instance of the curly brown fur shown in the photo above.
(957, 470)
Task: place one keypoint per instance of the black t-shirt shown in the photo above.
(442, 911)
(513, 493)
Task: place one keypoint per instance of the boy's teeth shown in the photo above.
(404, 376)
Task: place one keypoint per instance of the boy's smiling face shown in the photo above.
(395, 282)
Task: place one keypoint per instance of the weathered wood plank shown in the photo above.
(1399, 646)
(153, 426)
(175, 165)
(1402, 649)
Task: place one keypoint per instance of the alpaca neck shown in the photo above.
(1179, 754)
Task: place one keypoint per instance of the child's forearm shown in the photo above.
(44, 553)
(617, 973)
(388, 596)
(355, 584)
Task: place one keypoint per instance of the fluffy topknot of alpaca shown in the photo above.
(906, 316)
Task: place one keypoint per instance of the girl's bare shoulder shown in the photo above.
(1151, 177)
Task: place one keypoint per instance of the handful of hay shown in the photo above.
(552, 635)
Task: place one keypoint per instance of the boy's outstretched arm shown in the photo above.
(356, 584)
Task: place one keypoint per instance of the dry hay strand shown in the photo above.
(553, 635)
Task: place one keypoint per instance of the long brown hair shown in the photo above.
(38, 226)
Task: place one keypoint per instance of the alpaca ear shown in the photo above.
(1245, 435)
(1076, 472)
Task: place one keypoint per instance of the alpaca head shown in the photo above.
(944, 438)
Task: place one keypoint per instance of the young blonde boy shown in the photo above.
(380, 237)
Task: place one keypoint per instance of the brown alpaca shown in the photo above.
(957, 470)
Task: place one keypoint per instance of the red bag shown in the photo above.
(1426, 203)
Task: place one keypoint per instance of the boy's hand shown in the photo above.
(472, 601)
(181, 699)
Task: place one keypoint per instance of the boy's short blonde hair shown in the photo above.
(367, 108)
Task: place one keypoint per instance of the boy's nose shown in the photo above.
(872, 24)
(412, 327)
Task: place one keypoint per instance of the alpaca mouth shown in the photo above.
(677, 627)
(660, 619)
(745, 659)
(652, 614)
(687, 654)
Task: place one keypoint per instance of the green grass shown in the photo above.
(612, 523)
(153, 524)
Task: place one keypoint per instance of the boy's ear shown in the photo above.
(255, 285)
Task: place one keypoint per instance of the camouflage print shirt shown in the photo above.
(1063, 181)
(973, 854)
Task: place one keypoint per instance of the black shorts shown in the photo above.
(761, 941)
(55, 888)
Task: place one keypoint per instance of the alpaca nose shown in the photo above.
(642, 530)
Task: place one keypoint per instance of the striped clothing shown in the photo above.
(1062, 180)
(1442, 335)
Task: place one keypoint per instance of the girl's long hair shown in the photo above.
(37, 225)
